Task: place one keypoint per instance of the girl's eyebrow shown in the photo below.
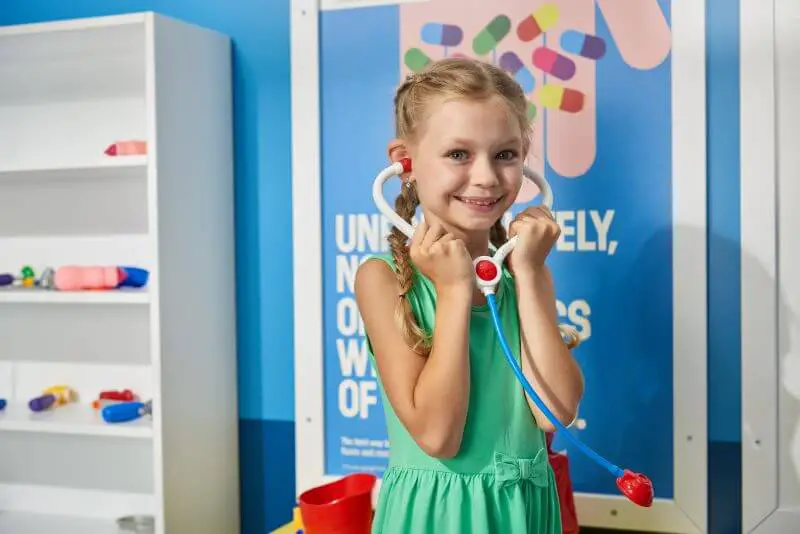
(460, 141)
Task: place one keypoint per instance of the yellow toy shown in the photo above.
(295, 526)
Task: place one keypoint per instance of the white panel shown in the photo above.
(787, 51)
(619, 513)
(330, 5)
(71, 502)
(194, 319)
(770, 288)
(758, 264)
(74, 461)
(307, 236)
(73, 60)
(689, 265)
(22, 523)
(110, 333)
(91, 205)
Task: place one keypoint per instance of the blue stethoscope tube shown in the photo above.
(613, 469)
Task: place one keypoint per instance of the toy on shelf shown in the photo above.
(53, 397)
(133, 147)
(26, 278)
(295, 526)
(113, 397)
(79, 278)
(126, 411)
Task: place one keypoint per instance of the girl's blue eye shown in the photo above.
(457, 155)
(507, 154)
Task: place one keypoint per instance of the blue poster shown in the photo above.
(598, 80)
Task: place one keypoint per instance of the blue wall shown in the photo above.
(260, 32)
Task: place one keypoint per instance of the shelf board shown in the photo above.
(79, 419)
(45, 296)
(26, 523)
(111, 166)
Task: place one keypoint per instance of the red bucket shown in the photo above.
(341, 507)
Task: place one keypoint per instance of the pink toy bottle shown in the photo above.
(76, 278)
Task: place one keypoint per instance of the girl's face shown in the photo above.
(467, 163)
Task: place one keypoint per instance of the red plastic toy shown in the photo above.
(341, 507)
(566, 497)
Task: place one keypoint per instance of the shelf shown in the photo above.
(23, 523)
(121, 167)
(44, 296)
(79, 419)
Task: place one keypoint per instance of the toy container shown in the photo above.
(77, 278)
(341, 507)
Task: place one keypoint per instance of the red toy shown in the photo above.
(566, 498)
(341, 507)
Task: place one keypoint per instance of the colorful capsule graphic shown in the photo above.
(538, 22)
(435, 33)
(511, 63)
(415, 59)
(562, 98)
(489, 37)
(583, 44)
(551, 62)
(531, 111)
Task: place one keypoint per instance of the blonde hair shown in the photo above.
(447, 78)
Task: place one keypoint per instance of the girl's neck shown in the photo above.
(477, 244)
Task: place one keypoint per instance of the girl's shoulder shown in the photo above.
(387, 258)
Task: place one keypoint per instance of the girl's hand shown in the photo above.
(538, 232)
(441, 257)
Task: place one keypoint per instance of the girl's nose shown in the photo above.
(484, 175)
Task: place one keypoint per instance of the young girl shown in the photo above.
(468, 451)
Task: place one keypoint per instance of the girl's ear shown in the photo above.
(397, 151)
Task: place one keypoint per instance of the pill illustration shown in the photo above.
(551, 62)
(538, 22)
(531, 111)
(441, 34)
(489, 37)
(583, 44)
(415, 59)
(562, 98)
(511, 63)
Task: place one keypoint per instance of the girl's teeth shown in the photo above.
(478, 202)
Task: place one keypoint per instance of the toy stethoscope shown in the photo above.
(488, 271)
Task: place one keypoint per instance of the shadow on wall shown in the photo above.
(724, 362)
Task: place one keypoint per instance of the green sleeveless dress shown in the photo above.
(501, 480)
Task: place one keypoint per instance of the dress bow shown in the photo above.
(509, 470)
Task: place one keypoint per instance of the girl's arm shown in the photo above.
(429, 395)
(547, 362)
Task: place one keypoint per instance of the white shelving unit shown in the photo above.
(69, 90)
